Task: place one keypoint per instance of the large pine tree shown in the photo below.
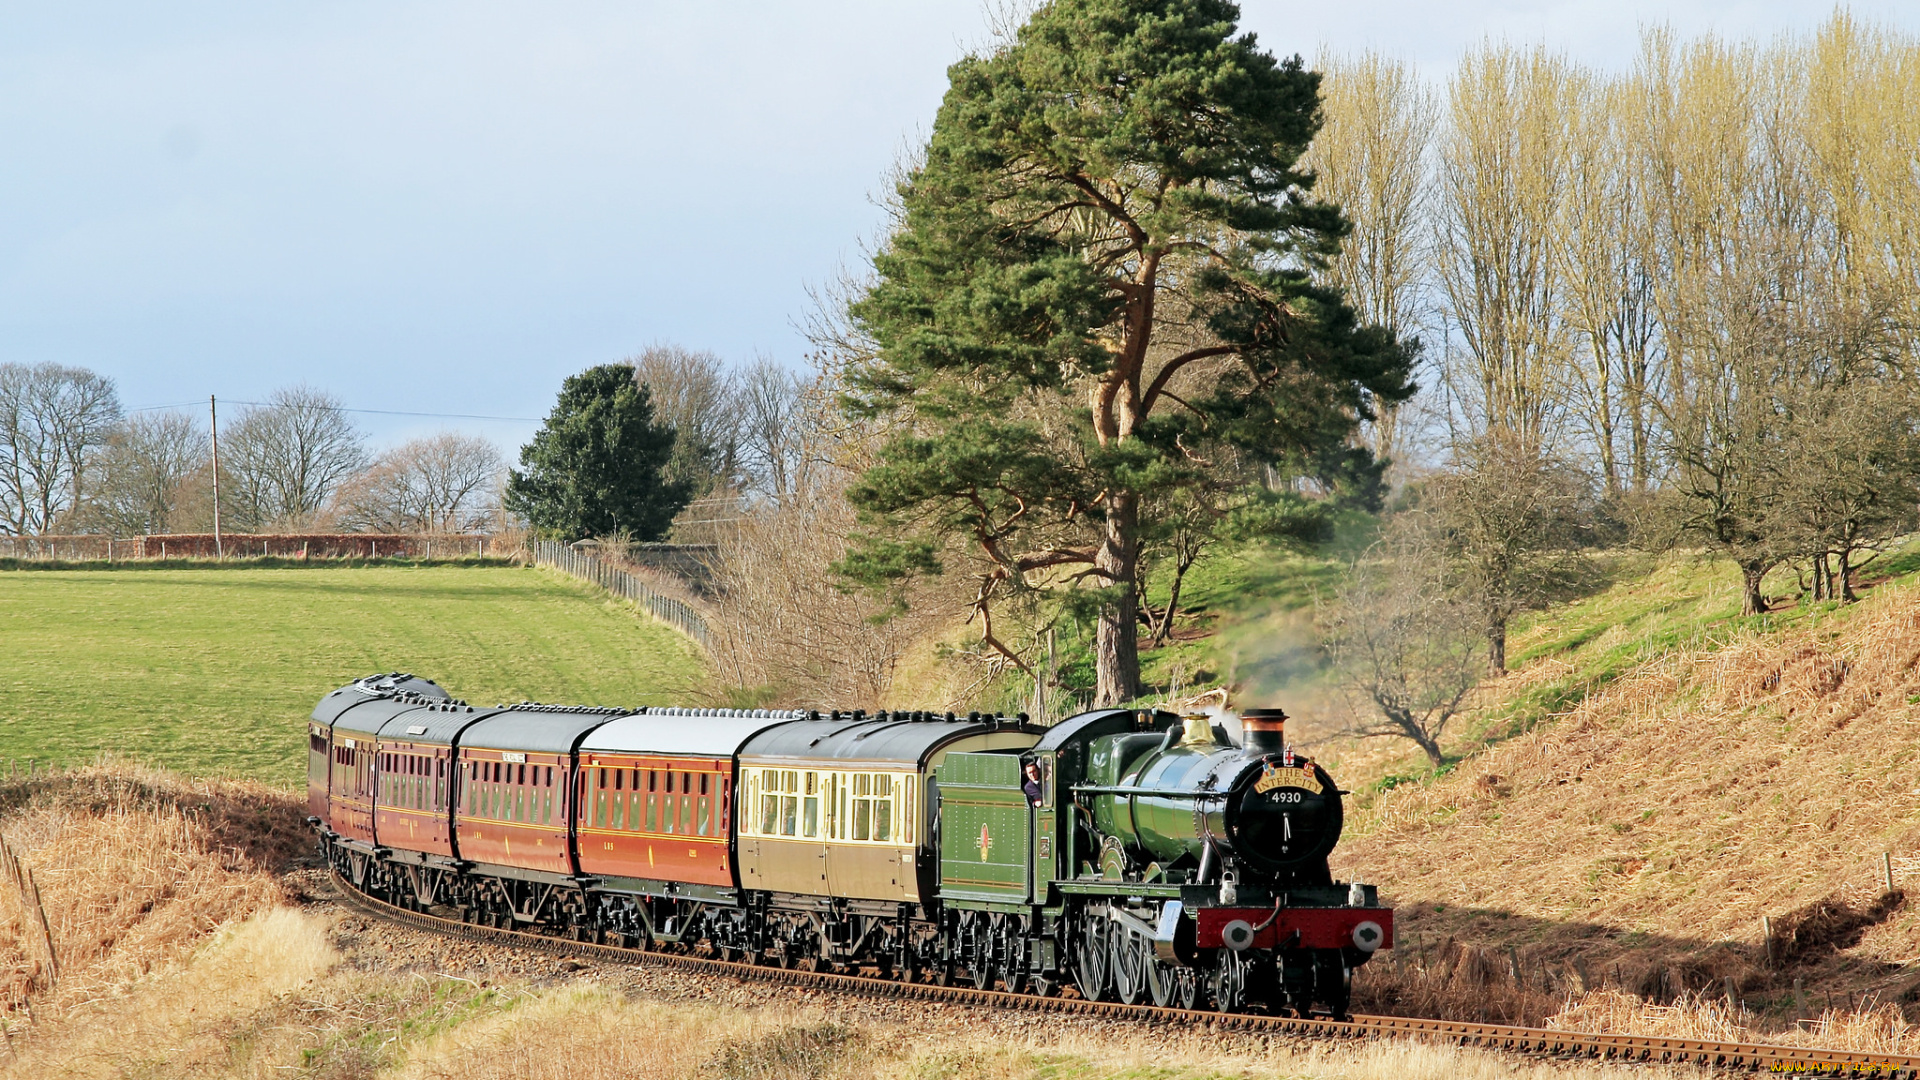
(598, 465)
(1105, 280)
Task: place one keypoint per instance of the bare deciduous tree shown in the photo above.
(282, 461)
(785, 625)
(1850, 477)
(1508, 521)
(1607, 292)
(1406, 646)
(1504, 172)
(436, 484)
(51, 418)
(139, 476)
(694, 393)
(772, 433)
(1370, 157)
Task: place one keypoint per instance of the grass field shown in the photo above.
(214, 670)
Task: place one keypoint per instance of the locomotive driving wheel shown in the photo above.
(1091, 970)
(1161, 983)
(1132, 960)
(1173, 986)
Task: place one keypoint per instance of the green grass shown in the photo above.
(1679, 603)
(214, 670)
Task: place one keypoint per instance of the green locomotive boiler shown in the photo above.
(1143, 857)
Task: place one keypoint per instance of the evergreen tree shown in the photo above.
(596, 468)
(1105, 282)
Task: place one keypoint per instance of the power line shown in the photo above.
(371, 412)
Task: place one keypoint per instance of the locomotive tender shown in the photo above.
(1133, 854)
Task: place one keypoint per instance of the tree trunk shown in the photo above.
(1750, 574)
(1164, 631)
(1427, 743)
(1116, 646)
(1497, 647)
(1844, 578)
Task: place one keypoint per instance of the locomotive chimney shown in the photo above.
(1263, 731)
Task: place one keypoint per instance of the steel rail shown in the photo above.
(1651, 1049)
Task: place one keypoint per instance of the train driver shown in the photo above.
(1030, 781)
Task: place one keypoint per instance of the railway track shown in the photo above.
(1566, 1044)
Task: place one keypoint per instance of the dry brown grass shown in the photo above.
(587, 1032)
(191, 1017)
(184, 962)
(135, 868)
(1636, 844)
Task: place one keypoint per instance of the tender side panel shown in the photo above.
(834, 828)
(512, 809)
(654, 817)
(986, 829)
(413, 784)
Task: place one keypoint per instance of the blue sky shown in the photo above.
(449, 207)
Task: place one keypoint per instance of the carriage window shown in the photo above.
(873, 814)
(706, 817)
(883, 807)
(810, 806)
(789, 801)
(909, 811)
(619, 778)
(862, 806)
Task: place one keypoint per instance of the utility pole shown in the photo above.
(213, 416)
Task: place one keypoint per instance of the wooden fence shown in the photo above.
(674, 613)
(246, 545)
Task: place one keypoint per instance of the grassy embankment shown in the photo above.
(186, 950)
(1620, 812)
(1660, 775)
(211, 670)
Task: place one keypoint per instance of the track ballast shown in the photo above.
(1609, 1047)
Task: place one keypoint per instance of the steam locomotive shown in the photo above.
(1134, 855)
